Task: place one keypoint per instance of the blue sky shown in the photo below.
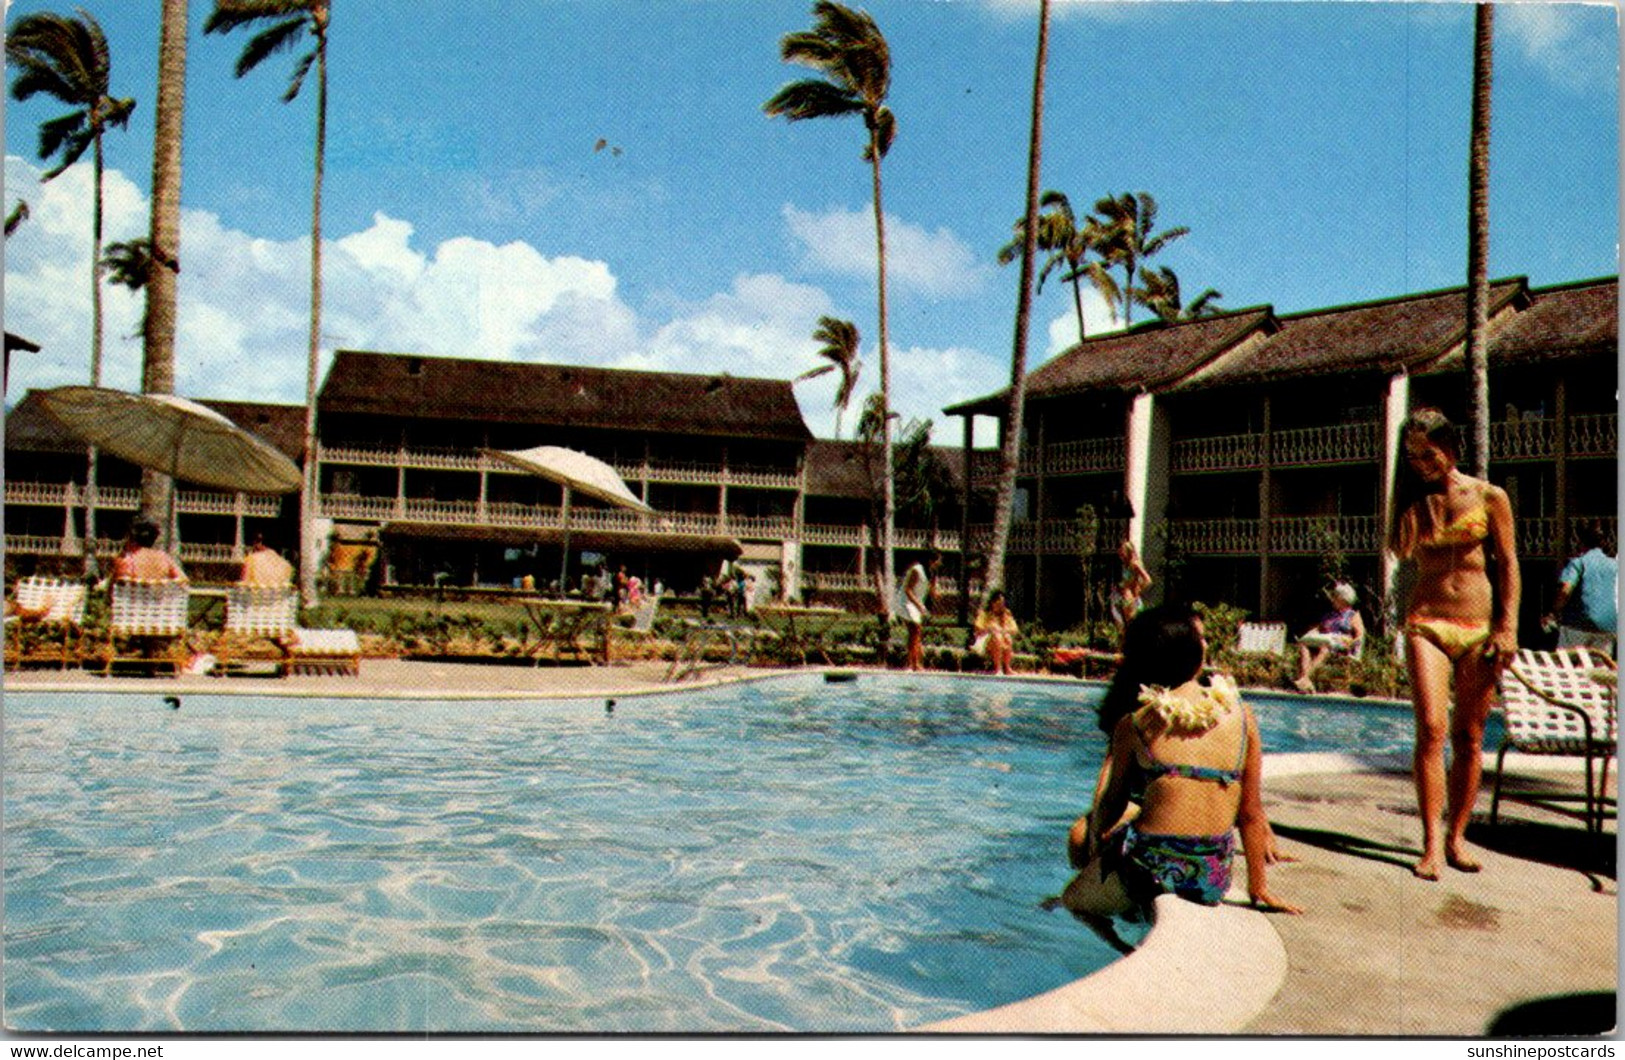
(1317, 151)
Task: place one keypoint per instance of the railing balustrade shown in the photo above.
(1222, 452)
(1526, 439)
(1088, 454)
(1339, 443)
(123, 498)
(1216, 537)
(1594, 435)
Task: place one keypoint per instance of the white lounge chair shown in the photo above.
(147, 620)
(258, 616)
(51, 612)
(1261, 638)
(326, 651)
(1561, 703)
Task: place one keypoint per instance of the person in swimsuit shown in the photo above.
(1459, 627)
(1130, 588)
(996, 632)
(1193, 751)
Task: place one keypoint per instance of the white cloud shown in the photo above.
(935, 263)
(244, 309)
(1098, 319)
(1569, 43)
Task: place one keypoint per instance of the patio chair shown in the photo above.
(258, 617)
(326, 651)
(51, 612)
(146, 625)
(1560, 703)
(1261, 638)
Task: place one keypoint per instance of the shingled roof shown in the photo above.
(837, 468)
(1148, 357)
(30, 429)
(445, 388)
(1383, 336)
(1561, 323)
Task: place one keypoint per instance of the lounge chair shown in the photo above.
(258, 618)
(1261, 638)
(643, 621)
(146, 625)
(1561, 703)
(326, 651)
(51, 612)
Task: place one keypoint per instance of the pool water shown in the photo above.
(779, 855)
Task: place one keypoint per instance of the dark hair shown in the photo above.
(1436, 427)
(996, 594)
(144, 532)
(1161, 646)
(1589, 534)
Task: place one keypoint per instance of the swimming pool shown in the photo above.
(779, 855)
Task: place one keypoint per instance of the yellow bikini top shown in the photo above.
(1468, 528)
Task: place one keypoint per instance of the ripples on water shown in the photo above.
(783, 855)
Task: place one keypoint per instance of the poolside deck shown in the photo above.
(1528, 946)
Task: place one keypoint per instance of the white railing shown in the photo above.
(1340, 443)
(847, 582)
(473, 460)
(123, 498)
(197, 552)
(1526, 439)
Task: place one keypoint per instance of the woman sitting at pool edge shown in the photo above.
(1195, 750)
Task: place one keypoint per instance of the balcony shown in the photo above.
(1536, 439)
(1051, 537)
(116, 498)
(1288, 536)
(473, 460)
(1060, 458)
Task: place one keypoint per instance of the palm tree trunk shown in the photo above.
(1478, 242)
(1010, 454)
(308, 557)
(1077, 303)
(95, 346)
(888, 570)
(158, 329)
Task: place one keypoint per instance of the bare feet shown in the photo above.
(1427, 868)
(1458, 860)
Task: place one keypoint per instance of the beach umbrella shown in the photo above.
(577, 473)
(180, 438)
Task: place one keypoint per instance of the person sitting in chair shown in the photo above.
(1341, 632)
(264, 567)
(141, 561)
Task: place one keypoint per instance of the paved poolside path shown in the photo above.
(1531, 941)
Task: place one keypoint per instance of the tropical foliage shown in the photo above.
(840, 349)
(1159, 292)
(1130, 219)
(1069, 242)
(849, 50)
(288, 23)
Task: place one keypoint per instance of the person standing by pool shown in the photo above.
(1590, 618)
(1460, 626)
(1127, 594)
(996, 633)
(1190, 754)
(141, 561)
(913, 606)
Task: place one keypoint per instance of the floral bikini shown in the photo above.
(1193, 867)
(1456, 637)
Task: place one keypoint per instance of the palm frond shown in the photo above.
(1059, 202)
(34, 78)
(814, 373)
(58, 131)
(297, 80)
(129, 263)
(812, 98)
(117, 112)
(280, 37)
(17, 216)
(230, 14)
(71, 149)
(1204, 305)
(1155, 244)
(809, 48)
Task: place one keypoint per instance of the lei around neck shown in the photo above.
(1188, 714)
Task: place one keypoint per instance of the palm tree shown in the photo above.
(840, 349)
(1010, 449)
(129, 263)
(164, 234)
(289, 20)
(1478, 241)
(1130, 219)
(1070, 242)
(68, 60)
(849, 50)
(16, 217)
(1160, 294)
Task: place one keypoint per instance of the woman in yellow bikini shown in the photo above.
(1459, 625)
